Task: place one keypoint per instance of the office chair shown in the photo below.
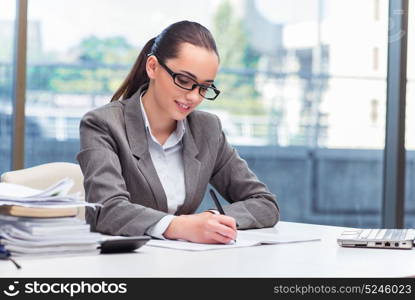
(43, 176)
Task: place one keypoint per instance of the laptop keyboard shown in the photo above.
(383, 234)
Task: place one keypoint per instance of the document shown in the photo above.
(43, 222)
(246, 238)
(55, 196)
(54, 250)
(20, 242)
(20, 192)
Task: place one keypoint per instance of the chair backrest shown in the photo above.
(43, 176)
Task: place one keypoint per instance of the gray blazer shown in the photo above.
(119, 173)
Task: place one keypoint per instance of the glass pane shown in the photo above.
(303, 99)
(410, 123)
(7, 34)
(77, 58)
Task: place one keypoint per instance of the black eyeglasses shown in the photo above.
(188, 83)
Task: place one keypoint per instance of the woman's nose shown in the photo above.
(193, 95)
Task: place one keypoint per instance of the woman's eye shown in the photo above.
(182, 80)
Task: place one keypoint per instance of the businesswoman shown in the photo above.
(148, 155)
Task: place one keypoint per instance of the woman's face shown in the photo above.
(197, 63)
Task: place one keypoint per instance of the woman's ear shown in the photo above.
(151, 66)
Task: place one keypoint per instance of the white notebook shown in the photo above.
(245, 239)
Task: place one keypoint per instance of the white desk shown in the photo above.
(311, 259)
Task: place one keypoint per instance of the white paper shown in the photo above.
(275, 238)
(61, 188)
(46, 204)
(11, 190)
(51, 229)
(244, 239)
(57, 199)
(54, 196)
(41, 221)
(18, 250)
(15, 233)
(183, 245)
(16, 190)
(20, 242)
(9, 240)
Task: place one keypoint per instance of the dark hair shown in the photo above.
(164, 46)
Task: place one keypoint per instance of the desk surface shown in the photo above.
(311, 259)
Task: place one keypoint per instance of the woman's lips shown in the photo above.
(182, 107)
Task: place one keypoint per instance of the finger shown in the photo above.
(224, 230)
(227, 221)
(218, 238)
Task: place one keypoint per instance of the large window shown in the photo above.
(304, 101)
(303, 89)
(7, 34)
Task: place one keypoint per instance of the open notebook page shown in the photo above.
(247, 238)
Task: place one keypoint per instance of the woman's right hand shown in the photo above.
(206, 228)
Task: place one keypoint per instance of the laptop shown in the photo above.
(378, 238)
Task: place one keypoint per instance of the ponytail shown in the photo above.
(137, 76)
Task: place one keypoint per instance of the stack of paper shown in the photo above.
(55, 196)
(47, 236)
(44, 222)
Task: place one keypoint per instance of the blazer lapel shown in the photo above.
(191, 170)
(137, 139)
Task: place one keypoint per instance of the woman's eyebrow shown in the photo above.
(194, 77)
